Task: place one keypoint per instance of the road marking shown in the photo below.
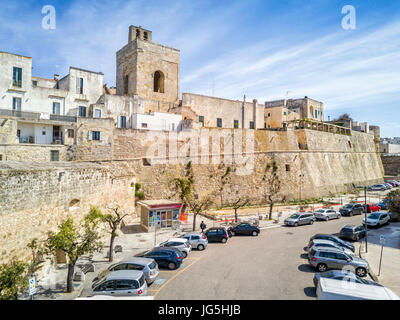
(175, 275)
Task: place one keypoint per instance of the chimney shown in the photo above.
(56, 77)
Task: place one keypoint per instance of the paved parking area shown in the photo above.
(273, 265)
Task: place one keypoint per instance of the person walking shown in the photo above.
(202, 226)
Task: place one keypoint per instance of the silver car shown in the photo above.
(148, 266)
(300, 218)
(328, 258)
(121, 283)
(376, 219)
(319, 243)
(179, 243)
(197, 240)
(326, 214)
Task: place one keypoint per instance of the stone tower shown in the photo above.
(148, 70)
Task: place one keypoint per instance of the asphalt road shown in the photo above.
(271, 266)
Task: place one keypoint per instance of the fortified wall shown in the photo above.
(391, 165)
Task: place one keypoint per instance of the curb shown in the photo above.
(371, 273)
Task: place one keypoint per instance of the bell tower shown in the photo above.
(147, 69)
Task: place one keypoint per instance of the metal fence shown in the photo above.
(36, 115)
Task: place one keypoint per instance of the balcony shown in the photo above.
(35, 115)
(17, 83)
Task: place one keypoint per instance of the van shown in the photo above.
(331, 289)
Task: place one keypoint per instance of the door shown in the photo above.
(163, 219)
(125, 287)
(194, 240)
(169, 218)
(57, 134)
(107, 288)
(303, 220)
(341, 260)
(158, 219)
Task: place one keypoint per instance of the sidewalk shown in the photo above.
(390, 267)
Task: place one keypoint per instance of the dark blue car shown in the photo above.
(384, 204)
(170, 258)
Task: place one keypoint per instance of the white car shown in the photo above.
(179, 243)
(377, 219)
(319, 243)
(326, 214)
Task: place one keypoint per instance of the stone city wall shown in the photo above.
(36, 197)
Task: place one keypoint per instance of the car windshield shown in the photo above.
(294, 216)
(347, 229)
(349, 206)
(320, 211)
(373, 216)
(153, 265)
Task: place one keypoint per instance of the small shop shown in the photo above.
(160, 213)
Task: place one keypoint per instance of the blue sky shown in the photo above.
(265, 49)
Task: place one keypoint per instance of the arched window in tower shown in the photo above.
(312, 111)
(159, 82)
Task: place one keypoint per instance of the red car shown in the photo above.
(372, 208)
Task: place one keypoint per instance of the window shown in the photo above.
(106, 286)
(126, 84)
(144, 125)
(265, 125)
(316, 114)
(341, 256)
(284, 113)
(251, 124)
(95, 135)
(137, 33)
(201, 120)
(269, 114)
(54, 155)
(97, 113)
(79, 85)
(219, 122)
(34, 83)
(145, 36)
(131, 266)
(121, 266)
(159, 82)
(17, 77)
(71, 133)
(123, 122)
(287, 167)
(82, 111)
(16, 104)
(126, 284)
(236, 124)
(56, 108)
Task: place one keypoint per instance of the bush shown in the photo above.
(13, 280)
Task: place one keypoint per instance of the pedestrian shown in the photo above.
(202, 226)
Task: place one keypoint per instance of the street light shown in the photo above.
(365, 213)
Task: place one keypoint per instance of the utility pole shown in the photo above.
(365, 214)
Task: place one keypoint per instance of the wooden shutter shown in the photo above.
(90, 135)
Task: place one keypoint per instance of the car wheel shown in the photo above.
(351, 214)
(322, 267)
(200, 247)
(223, 240)
(339, 216)
(296, 224)
(171, 266)
(255, 233)
(233, 233)
(327, 219)
(361, 272)
(311, 222)
(184, 254)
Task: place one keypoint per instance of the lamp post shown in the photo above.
(365, 214)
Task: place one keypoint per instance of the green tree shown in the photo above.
(139, 195)
(272, 185)
(393, 198)
(13, 279)
(75, 242)
(113, 219)
(221, 177)
(239, 203)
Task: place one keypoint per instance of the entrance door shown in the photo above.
(57, 134)
(169, 218)
(158, 219)
(163, 219)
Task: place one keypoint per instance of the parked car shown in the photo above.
(351, 209)
(179, 243)
(328, 258)
(377, 219)
(388, 186)
(326, 214)
(392, 217)
(170, 258)
(392, 184)
(245, 229)
(342, 275)
(384, 204)
(331, 289)
(334, 239)
(371, 208)
(377, 187)
(328, 244)
(148, 266)
(197, 240)
(352, 232)
(395, 182)
(121, 283)
(217, 234)
(300, 218)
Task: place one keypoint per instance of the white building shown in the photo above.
(157, 121)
